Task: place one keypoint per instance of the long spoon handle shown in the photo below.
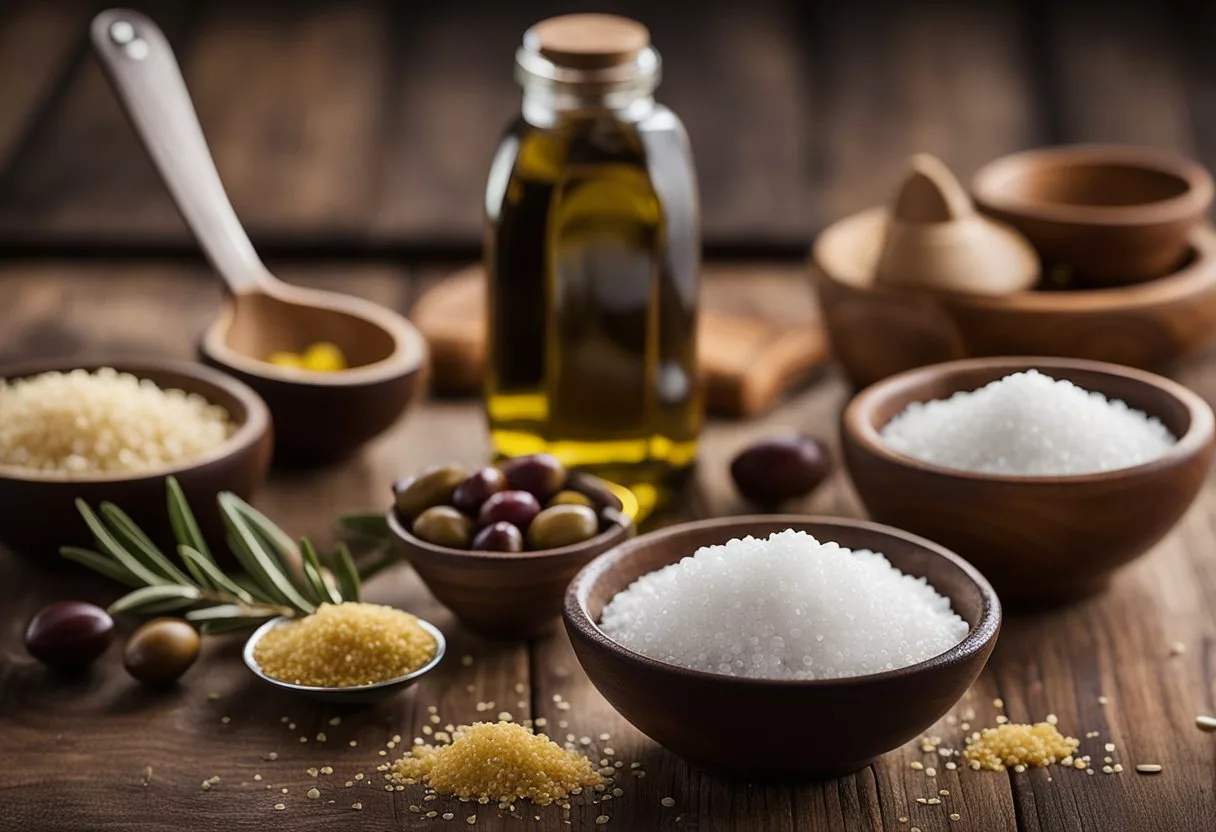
(145, 75)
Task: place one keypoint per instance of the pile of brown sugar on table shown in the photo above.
(1007, 746)
(497, 761)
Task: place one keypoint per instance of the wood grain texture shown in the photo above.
(81, 172)
(38, 42)
(291, 99)
(85, 746)
(897, 79)
(374, 123)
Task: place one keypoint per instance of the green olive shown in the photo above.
(429, 487)
(444, 526)
(571, 498)
(594, 488)
(562, 525)
(161, 650)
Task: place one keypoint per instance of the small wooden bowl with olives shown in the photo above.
(498, 545)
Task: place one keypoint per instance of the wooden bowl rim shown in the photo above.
(248, 433)
(615, 534)
(408, 357)
(979, 636)
(857, 419)
(991, 185)
(1198, 275)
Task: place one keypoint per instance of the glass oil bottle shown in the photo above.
(593, 258)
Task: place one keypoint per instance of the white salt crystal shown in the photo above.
(788, 607)
(1028, 424)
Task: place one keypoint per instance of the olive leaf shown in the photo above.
(281, 577)
(347, 574)
(363, 524)
(151, 596)
(181, 518)
(136, 542)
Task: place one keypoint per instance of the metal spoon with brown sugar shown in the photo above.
(318, 417)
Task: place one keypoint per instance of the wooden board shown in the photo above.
(100, 753)
(749, 361)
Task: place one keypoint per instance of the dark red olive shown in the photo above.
(477, 488)
(499, 537)
(779, 469)
(541, 475)
(69, 634)
(514, 507)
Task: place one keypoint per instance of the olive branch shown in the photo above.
(282, 577)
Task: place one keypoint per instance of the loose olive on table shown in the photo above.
(781, 468)
(526, 503)
(69, 634)
(161, 650)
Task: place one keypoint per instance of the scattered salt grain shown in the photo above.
(788, 607)
(1028, 424)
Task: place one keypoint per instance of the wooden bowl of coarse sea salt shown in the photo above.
(1046, 473)
(781, 646)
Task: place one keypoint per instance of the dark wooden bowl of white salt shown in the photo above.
(1045, 487)
(781, 657)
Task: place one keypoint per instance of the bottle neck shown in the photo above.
(553, 92)
(544, 108)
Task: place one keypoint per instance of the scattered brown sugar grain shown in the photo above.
(1014, 744)
(500, 761)
(345, 645)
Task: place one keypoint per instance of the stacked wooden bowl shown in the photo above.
(1128, 269)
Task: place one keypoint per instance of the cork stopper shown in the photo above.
(588, 41)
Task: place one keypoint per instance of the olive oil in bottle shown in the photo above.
(592, 253)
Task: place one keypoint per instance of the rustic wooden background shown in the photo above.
(353, 138)
(368, 126)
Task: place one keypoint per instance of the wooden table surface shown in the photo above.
(354, 139)
(104, 754)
